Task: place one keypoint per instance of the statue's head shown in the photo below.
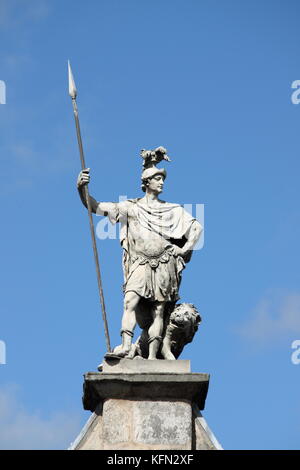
(153, 177)
(155, 181)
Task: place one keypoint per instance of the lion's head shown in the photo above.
(182, 326)
(185, 314)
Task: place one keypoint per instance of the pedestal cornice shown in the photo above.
(98, 386)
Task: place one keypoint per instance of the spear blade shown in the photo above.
(72, 86)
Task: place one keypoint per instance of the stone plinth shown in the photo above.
(139, 365)
(145, 405)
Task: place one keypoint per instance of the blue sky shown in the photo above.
(210, 81)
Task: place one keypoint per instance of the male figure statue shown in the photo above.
(157, 238)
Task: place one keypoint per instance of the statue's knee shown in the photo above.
(158, 311)
(130, 300)
(126, 304)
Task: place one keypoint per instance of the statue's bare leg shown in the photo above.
(166, 348)
(156, 329)
(131, 300)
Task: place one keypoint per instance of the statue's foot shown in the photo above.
(112, 355)
(168, 355)
(117, 353)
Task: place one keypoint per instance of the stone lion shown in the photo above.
(180, 330)
(180, 327)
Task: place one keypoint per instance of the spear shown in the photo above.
(73, 94)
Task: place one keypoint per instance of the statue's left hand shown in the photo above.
(176, 251)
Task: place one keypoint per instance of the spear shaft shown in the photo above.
(73, 94)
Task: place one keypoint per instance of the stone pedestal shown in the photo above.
(141, 404)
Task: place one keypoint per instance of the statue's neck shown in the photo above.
(151, 197)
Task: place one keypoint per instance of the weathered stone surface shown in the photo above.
(99, 386)
(128, 366)
(162, 423)
(146, 425)
(117, 422)
(138, 424)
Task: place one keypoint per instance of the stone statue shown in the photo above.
(157, 238)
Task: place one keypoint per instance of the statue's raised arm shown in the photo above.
(99, 208)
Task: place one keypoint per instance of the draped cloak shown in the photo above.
(147, 237)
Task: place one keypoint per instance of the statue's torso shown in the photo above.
(142, 240)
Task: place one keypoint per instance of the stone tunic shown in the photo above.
(147, 237)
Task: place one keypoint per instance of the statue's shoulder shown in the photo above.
(127, 203)
(133, 201)
(126, 207)
(170, 205)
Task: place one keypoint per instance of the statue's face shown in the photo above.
(156, 183)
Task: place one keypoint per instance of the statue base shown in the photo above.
(145, 405)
